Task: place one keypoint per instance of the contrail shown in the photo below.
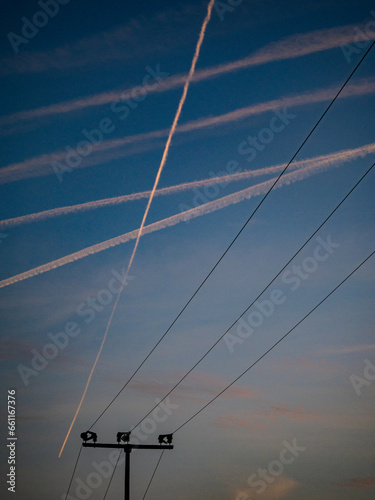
(41, 165)
(344, 155)
(312, 168)
(139, 232)
(288, 48)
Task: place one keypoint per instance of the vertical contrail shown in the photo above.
(173, 128)
(162, 163)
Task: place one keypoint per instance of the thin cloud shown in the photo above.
(129, 42)
(324, 420)
(280, 488)
(197, 387)
(361, 483)
(234, 422)
(285, 414)
(289, 48)
(305, 365)
(14, 351)
(210, 207)
(297, 414)
(351, 349)
(42, 165)
(323, 160)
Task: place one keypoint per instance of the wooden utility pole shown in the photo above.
(123, 439)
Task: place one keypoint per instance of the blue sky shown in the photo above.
(88, 99)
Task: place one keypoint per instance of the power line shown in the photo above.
(278, 274)
(248, 220)
(123, 438)
(160, 169)
(74, 471)
(236, 237)
(113, 473)
(276, 343)
(295, 254)
(269, 350)
(260, 294)
(153, 474)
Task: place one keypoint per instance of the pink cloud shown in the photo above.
(302, 415)
(281, 488)
(351, 349)
(364, 483)
(13, 350)
(198, 386)
(304, 364)
(231, 421)
(298, 414)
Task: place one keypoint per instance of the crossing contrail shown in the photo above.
(42, 165)
(139, 232)
(311, 168)
(288, 48)
(344, 155)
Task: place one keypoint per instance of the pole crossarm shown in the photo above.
(129, 447)
(164, 444)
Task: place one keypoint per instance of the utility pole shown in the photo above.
(123, 439)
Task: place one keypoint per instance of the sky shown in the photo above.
(89, 94)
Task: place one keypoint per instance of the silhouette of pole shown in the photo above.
(165, 441)
(127, 474)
